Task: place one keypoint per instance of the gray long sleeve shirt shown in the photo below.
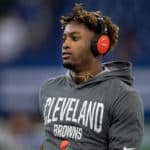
(103, 113)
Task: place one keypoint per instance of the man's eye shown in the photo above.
(75, 38)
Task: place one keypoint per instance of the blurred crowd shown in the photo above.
(30, 36)
(30, 31)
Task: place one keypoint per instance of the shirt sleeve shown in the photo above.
(41, 98)
(127, 127)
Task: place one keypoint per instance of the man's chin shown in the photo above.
(68, 66)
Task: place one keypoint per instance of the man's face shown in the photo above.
(76, 52)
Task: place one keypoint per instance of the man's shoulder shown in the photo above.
(120, 88)
(54, 81)
(122, 85)
(127, 91)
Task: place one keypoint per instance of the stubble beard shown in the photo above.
(69, 66)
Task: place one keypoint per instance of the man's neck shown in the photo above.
(85, 75)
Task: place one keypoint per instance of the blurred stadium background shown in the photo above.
(30, 52)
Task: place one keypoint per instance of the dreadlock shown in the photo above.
(91, 20)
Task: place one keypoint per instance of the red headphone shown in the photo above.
(100, 44)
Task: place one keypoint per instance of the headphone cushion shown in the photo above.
(103, 44)
(100, 44)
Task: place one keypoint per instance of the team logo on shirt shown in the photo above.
(87, 113)
(65, 145)
(67, 131)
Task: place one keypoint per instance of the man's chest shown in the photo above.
(74, 111)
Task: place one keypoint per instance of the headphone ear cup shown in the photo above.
(100, 45)
(103, 44)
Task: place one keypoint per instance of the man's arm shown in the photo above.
(41, 147)
(127, 127)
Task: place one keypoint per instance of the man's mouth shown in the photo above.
(66, 55)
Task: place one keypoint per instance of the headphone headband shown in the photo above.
(103, 25)
(101, 43)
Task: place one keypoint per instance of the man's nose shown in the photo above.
(66, 44)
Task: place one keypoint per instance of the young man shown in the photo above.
(94, 106)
